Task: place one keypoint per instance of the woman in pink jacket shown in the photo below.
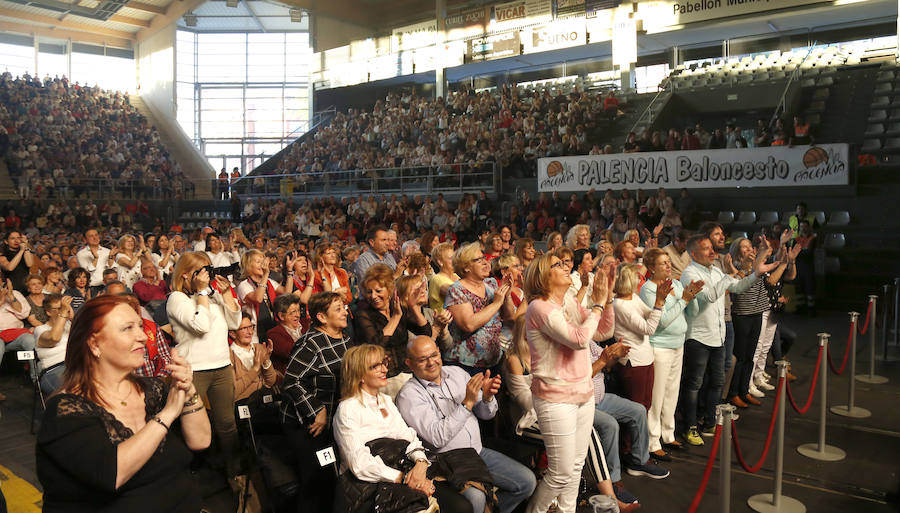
(558, 331)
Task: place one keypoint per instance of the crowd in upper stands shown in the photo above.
(455, 135)
(61, 139)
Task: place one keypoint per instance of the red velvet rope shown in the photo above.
(709, 465)
(737, 448)
(868, 315)
(812, 386)
(846, 352)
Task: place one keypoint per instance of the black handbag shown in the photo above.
(364, 497)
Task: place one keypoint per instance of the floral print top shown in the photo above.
(480, 348)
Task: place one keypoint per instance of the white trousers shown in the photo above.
(666, 382)
(766, 336)
(566, 430)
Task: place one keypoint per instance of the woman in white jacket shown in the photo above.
(201, 314)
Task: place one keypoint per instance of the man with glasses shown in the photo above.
(444, 404)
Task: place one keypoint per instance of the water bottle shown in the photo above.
(604, 504)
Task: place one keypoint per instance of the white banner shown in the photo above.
(560, 34)
(413, 36)
(777, 166)
(665, 13)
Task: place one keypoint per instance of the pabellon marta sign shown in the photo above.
(777, 166)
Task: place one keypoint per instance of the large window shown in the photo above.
(106, 67)
(242, 97)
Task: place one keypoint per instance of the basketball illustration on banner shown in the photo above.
(814, 156)
(554, 168)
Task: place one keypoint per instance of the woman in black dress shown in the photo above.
(113, 442)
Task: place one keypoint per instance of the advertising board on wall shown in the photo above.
(521, 12)
(413, 36)
(494, 46)
(665, 13)
(591, 7)
(467, 23)
(777, 166)
(560, 34)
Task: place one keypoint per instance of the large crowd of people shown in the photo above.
(398, 345)
(452, 136)
(64, 140)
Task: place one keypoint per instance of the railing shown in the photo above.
(448, 178)
(649, 106)
(779, 109)
(254, 161)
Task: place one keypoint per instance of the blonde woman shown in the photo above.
(257, 292)
(442, 255)
(364, 414)
(635, 322)
(128, 259)
(201, 312)
(668, 350)
(558, 331)
(554, 240)
(479, 304)
(579, 237)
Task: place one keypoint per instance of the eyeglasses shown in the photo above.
(382, 363)
(479, 259)
(558, 264)
(251, 327)
(424, 359)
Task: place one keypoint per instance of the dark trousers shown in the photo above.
(316, 483)
(746, 336)
(450, 500)
(700, 360)
(638, 383)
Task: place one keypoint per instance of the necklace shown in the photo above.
(122, 400)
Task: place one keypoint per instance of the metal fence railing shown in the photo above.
(448, 178)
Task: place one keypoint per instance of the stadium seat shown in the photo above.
(819, 215)
(746, 217)
(725, 217)
(825, 81)
(883, 88)
(871, 145)
(835, 241)
(877, 115)
(881, 102)
(839, 218)
(832, 265)
(768, 217)
(894, 128)
(885, 76)
(737, 235)
(892, 144)
(821, 94)
(875, 130)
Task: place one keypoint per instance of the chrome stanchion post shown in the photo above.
(871, 378)
(896, 311)
(885, 326)
(849, 410)
(724, 415)
(822, 451)
(775, 502)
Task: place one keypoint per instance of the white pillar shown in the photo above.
(440, 82)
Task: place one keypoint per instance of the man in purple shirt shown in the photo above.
(444, 404)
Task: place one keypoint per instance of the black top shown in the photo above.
(312, 377)
(76, 460)
(19, 272)
(369, 329)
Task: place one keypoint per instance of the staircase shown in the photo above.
(193, 164)
(849, 98)
(7, 187)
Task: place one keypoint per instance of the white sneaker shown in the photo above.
(755, 392)
(761, 383)
(766, 375)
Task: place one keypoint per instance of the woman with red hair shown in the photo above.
(111, 441)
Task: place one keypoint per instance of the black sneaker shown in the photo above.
(649, 470)
(624, 495)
